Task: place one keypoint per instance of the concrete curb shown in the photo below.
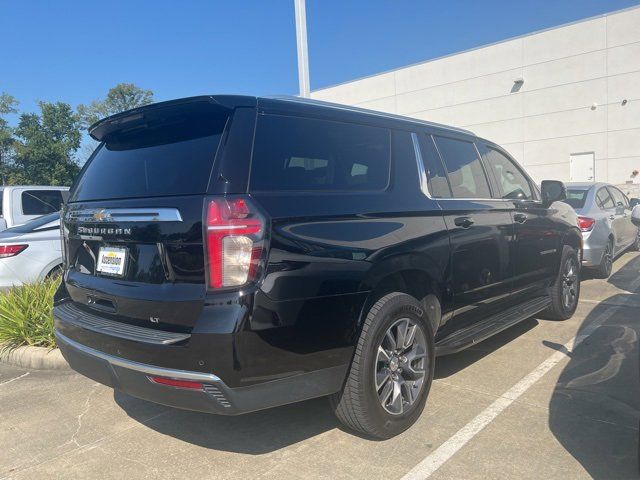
(35, 358)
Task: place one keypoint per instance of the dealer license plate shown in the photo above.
(112, 260)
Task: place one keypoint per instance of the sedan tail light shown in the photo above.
(234, 233)
(586, 224)
(11, 250)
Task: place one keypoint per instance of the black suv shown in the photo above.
(227, 254)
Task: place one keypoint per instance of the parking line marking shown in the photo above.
(14, 379)
(449, 448)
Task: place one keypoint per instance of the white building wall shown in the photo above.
(575, 80)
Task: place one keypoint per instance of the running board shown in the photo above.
(484, 329)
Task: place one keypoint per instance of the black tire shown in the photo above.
(560, 309)
(606, 264)
(636, 244)
(359, 406)
(55, 273)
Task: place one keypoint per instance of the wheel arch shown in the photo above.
(410, 274)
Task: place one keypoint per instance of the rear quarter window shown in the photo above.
(295, 153)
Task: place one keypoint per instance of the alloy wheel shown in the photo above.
(607, 258)
(401, 366)
(570, 283)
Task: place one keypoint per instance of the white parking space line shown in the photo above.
(14, 379)
(448, 449)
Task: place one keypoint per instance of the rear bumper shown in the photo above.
(214, 396)
(592, 255)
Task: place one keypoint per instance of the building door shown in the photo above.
(582, 167)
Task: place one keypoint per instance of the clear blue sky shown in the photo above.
(74, 51)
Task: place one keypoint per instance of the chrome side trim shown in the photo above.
(139, 367)
(125, 215)
(422, 173)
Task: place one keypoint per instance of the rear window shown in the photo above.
(576, 198)
(174, 158)
(466, 175)
(41, 202)
(293, 153)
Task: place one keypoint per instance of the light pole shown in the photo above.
(303, 52)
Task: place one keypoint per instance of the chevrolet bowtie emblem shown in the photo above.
(101, 215)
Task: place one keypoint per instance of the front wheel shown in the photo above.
(392, 369)
(565, 291)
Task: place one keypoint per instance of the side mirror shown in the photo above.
(633, 202)
(552, 191)
(635, 216)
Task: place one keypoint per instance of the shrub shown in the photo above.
(26, 315)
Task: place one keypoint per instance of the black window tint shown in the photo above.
(172, 158)
(464, 169)
(511, 181)
(41, 202)
(604, 200)
(618, 197)
(576, 198)
(292, 153)
(436, 175)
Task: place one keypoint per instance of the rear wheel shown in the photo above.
(565, 291)
(55, 273)
(392, 369)
(606, 264)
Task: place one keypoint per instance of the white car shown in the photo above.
(31, 251)
(20, 204)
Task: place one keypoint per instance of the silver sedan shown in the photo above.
(604, 216)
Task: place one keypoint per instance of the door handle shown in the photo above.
(612, 217)
(464, 222)
(520, 217)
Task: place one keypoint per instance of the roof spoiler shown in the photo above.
(149, 114)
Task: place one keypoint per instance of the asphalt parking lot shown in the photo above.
(544, 399)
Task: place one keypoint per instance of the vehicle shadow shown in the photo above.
(594, 407)
(627, 278)
(252, 433)
(448, 365)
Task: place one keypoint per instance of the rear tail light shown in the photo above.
(174, 382)
(11, 250)
(234, 232)
(586, 224)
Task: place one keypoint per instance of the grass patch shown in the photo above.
(26, 315)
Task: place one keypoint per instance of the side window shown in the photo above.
(41, 202)
(295, 153)
(618, 197)
(604, 200)
(436, 176)
(465, 172)
(511, 181)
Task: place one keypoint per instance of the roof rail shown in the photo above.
(322, 103)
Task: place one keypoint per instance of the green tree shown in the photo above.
(45, 146)
(7, 105)
(123, 96)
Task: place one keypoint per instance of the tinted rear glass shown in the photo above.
(292, 153)
(576, 198)
(41, 202)
(170, 159)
